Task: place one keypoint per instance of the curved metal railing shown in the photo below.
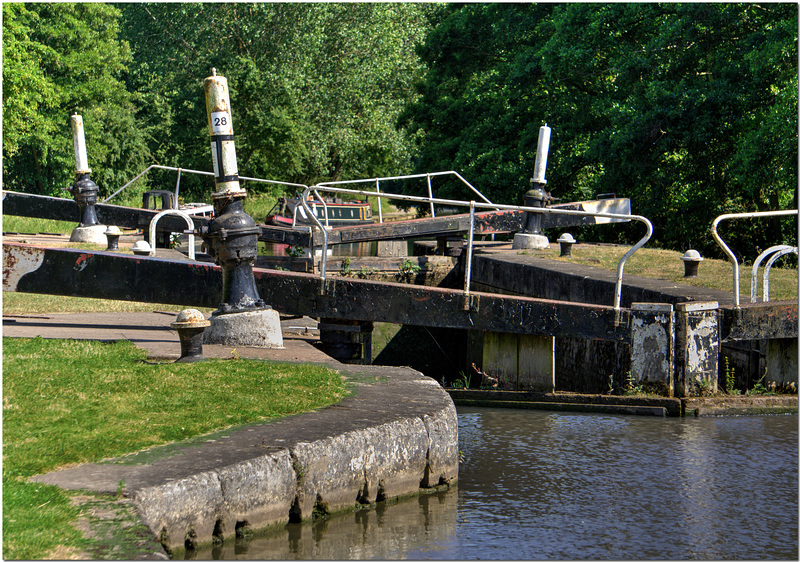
(779, 254)
(754, 279)
(729, 252)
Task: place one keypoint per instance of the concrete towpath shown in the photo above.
(395, 434)
(151, 331)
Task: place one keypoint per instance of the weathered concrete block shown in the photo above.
(696, 346)
(397, 457)
(329, 474)
(89, 234)
(442, 459)
(529, 242)
(258, 328)
(363, 467)
(258, 492)
(653, 347)
(180, 509)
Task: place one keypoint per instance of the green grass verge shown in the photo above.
(32, 303)
(29, 225)
(68, 402)
(667, 265)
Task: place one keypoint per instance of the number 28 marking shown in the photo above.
(220, 121)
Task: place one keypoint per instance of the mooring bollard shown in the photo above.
(113, 233)
(190, 325)
(691, 262)
(141, 248)
(566, 241)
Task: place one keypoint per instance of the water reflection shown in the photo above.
(583, 486)
(546, 485)
(383, 532)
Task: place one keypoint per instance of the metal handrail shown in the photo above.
(324, 209)
(757, 263)
(791, 250)
(729, 252)
(179, 213)
(428, 176)
(472, 205)
(201, 173)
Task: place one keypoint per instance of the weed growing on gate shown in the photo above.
(631, 388)
(759, 389)
(730, 379)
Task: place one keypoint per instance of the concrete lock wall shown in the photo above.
(310, 478)
(577, 360)
(394, 436)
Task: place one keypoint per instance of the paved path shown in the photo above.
(151, 331)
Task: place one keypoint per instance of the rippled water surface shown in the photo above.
(545, 485)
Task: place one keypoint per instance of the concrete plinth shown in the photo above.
(653, 347)
(90, 234)
(529, 242)
(260, 328)
(696, 347)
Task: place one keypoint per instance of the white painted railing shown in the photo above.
(779, 250)
(729, 252)
(472, 206)
(198, 172)
(179, 213)
(427, 176)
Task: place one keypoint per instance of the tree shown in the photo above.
(688, 109)
(59, 59)
(315, 88)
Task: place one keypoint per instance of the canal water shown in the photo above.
(550, 486)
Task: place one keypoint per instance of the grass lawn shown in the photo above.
(667, 265)
(30, 303)
(67, 402)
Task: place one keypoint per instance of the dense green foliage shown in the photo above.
(59, 59)
(315, 88)
(688, 109)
